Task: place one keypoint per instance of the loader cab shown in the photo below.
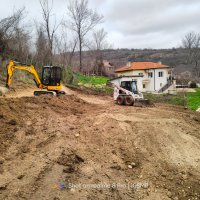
(130, 86)
(51, 75)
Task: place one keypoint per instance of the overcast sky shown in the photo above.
(130, 23)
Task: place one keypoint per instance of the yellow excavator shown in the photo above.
(50, 80)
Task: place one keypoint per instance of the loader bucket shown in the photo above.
(142, 103)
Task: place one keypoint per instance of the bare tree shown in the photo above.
(191, 42)
(8, 24)
(82, 20)
(9, 31)
(99, 37)
(100, 44)
(14, 40)
(42, 49)
(50, 28)
(97, 45)
(20, 44)
(66, 48)
(72, 48)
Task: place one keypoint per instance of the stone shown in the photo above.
(69, 169)
(117, 167)
(145, 185)
(133, 164)
(3, 186)
(12, 122)
(169, 194)
(72, 190)
(130, 166)
(164, 174)
(184, 177)
(1, 160)
(20, 176)
(56, 198)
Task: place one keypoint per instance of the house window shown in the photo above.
(140, 74)
(160, 74)
(144, 86)
(150, 74)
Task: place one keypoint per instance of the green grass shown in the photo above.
(166, 98)
(178, 99)
(91, 84)
(93, 80)
(193, 99)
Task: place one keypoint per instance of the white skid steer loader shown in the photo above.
(126, 92)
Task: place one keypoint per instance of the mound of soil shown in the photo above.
(69, 148)
(3, 90)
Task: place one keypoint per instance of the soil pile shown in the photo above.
(85, 147)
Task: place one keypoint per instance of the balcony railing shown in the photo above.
(166, 86)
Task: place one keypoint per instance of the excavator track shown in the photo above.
(53, 93)
(39, 93)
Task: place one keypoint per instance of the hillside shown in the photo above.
(176, 58)
(173, 57)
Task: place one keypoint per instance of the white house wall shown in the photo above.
(151, 84)
(161, 81)
(138, 79)
(131, 73)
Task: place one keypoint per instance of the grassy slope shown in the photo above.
(165, 98)
(96, 84)
(93, 80)
(194, 99)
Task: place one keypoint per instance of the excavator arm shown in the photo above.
(12, 65)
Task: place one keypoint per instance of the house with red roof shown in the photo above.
(153, 77)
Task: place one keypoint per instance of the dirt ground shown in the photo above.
(85, 147)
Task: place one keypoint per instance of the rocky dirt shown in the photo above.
(86, 147)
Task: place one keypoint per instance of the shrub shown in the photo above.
(68, 76)
(193, 85)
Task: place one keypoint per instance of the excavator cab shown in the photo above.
(51, 75)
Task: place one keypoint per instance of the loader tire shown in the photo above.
(120, 100)
(129, 100)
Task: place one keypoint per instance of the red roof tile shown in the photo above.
(141, 66)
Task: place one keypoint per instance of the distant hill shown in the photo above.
(175, 58)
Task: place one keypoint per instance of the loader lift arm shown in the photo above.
(12, 65)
